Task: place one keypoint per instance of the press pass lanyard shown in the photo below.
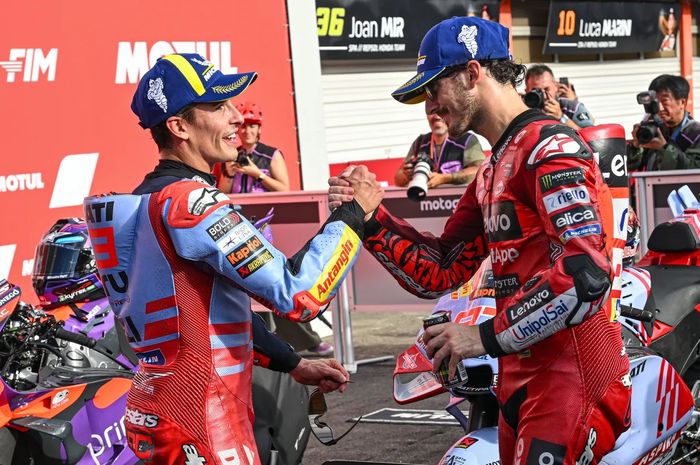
(432, 153)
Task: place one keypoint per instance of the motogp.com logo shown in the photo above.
(30, 65)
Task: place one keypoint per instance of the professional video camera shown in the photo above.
(418, 186)
(649, 128)
(535, 98)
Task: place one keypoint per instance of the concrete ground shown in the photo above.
(374, 335)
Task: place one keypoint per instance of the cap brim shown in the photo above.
(413, 90)
(227, 86)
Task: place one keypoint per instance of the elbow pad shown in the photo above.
(590, 281)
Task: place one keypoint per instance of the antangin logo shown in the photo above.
(135, 58)
(33, 62)
(331, 275)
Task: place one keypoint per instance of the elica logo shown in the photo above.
(135, 58)
(574, 216)
(30, 65)
(566, 198)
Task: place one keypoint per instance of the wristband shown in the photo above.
(563, 119)
(262, 177)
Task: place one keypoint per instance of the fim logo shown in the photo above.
(30, 63)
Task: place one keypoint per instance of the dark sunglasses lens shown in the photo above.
(322, 431)
(317, 403)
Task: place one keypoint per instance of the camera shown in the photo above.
(535, 98)
(418, 185)
(649, 128)
(564, 81)
(243, 158)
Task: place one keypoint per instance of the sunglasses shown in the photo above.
(321, 430)
(431, 88)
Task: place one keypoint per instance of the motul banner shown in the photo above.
(577, 27)
(349, 29)
(68, 70)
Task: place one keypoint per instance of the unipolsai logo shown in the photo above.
(30, 65)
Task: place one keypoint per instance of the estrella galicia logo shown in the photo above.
(502, 223)
(568, 177)
(223, 226)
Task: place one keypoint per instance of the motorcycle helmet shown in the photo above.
(252, 114)
(632, 242)
(64, 265)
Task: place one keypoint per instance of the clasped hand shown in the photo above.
(355, 182)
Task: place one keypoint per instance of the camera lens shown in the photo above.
(534, 98)
(418, 186)
(646, 133)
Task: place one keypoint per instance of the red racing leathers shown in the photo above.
(533, 207)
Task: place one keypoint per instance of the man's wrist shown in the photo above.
(564, 119)
(262, 177)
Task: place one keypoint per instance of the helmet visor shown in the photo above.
(58, 261)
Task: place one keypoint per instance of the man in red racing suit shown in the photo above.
(563, 385)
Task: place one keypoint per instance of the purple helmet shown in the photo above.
(64, 265)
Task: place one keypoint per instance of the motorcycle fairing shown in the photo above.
(659, 397)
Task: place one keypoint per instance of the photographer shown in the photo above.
(669, 138)
(557, 99)
(454, 161)
(259, 167)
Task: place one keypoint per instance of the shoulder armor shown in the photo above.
(192, 201)
(557, 141)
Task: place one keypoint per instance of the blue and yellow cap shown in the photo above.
(178, 80)
(452, 42)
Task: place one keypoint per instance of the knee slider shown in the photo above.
(591, 282)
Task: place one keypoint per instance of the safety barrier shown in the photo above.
(652, 189)
(298, 215)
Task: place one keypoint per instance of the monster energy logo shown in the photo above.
(554, 179)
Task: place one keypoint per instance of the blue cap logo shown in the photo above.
(453, 42)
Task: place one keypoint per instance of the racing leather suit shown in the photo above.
(563, 386)
(179, 264)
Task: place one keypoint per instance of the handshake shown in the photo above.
(358, 183)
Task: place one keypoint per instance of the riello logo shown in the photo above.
(135, 58)
(30, 65)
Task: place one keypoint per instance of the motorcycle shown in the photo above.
(64, 382)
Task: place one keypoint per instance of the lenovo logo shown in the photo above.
(135, 58)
